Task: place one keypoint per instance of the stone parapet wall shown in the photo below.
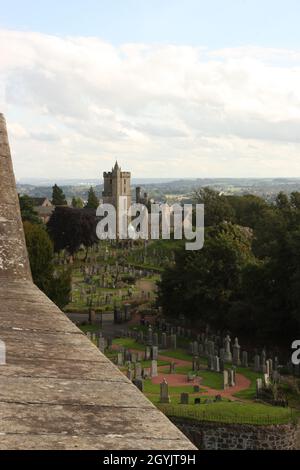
(220, 436)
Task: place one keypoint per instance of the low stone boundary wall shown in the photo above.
(220, 436)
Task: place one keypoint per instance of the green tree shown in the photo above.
(203, 284)
(60, 287)
(77, 202)
(249, 209)
(70, 228)
(217, 208)
(93, 201)
(58, 197)
(28, 213)
(40, 251)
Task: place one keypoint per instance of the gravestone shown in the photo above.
(129, 373)
(154, 368)
(244, 359)
(139, 383)
(216, 362)
(155, 339)
(263, 361)
(164, 392)
(259, 386)
(173, 341)
(172, 368)
(257, 363)
(196, 388)
(149, 336)
(195, 363)
(133, 357)
(222, 354)
(164, 341)
(225, 379)
(101, 344)
(154, 353)
(138, 370)
(120, 359)
(266, 380)
(147, 353)
(184, 398)
(227, 353)
(231, 377)
(236, 353)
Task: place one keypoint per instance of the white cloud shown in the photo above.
(75, 104)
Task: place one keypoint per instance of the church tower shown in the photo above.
(116, 183)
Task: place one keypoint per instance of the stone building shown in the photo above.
(116, 183)
(44, 208)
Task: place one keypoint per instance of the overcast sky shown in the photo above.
(170, 88)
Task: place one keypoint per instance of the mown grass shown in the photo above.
(177, 354)
(154, 389)
(229, 412)
(129, 343)
(249, 393)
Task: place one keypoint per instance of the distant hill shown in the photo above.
(162, 189)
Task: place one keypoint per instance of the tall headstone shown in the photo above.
(154, 369)
(270, 366)
(231, 376)
(120, 359)
(149, 336)
(216, 361)
(227, 353)
(225, 379)
(154, 353)
(222, 354)
(101, 344)
(138, 369)
(129, 373)
(263, 361)
(164, 392)
(173, 341)
(147, 353)
(257, 363)
(244, 359)
(195, 363)
(164, 341)
(236, 353)
(259, 386)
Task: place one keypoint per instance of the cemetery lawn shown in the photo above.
(211, 379)
(250, 393)
(154, 389)
(176, 354)
(228, 412)
(146, 364)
